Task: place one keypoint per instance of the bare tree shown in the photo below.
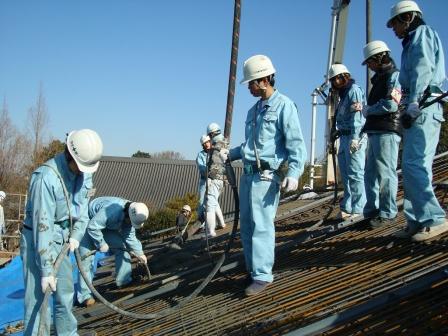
(14, 153)
(38, 121)
(168, 155)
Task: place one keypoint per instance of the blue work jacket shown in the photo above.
(46, 209)
(108, 213)
(348, 111)
(275, 127)
(422, 63)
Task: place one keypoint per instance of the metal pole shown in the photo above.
(368, 39)
(232, 74)
(313, 136)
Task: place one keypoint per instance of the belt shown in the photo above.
(252, 168)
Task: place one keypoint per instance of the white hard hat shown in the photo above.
(373, 48)
(402, 7)
(213, 128)
(256, 67)
(204, 139)
(138, 213)
(86, 148)
(186, 207)
(2, 195)
(337, 69)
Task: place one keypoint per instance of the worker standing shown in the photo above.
(422, 74)
(47, 228)
(384, 131)
(215, 180)
(112, 226)
(201, 163)
(2, 219)
(272, 136)
(352, 143)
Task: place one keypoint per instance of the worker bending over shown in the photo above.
(112, 226)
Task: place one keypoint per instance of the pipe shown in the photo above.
(313, 136)
(233, 64)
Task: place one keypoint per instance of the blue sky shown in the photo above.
(150, 75)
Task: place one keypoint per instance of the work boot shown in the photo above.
(380, 222)
(247, 280)
(429, 232)
(256, 287)
(406, 232)
(343, 215)
(174, 246)
(89, 302)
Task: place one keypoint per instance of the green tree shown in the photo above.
(140, 154)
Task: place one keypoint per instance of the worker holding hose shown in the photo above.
(272, 137)
(112, 225)
(46, 228)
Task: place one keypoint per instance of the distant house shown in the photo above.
(153, 181)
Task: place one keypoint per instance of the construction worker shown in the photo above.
(421, 77)
(112, 226)
(182, 221)
(201, 163)
(47, 228)
(215, 180)
(2, 219)
(272, 136)
(352, 142)
(384, 130)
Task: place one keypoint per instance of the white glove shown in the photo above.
(224, 154)
(104, 248)
(142, 258)
(354, 145)
(413, 110)
(48, 281)
(290, 184)
(74, 244)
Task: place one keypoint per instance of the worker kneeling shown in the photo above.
(112, 226)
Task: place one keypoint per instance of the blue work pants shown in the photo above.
(123, 267)
(351, 167)
(258, 206)
(421, 207)
(64, 321)
(381, 180)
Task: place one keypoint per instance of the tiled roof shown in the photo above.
(152, 181)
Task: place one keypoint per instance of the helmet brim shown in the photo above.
(87, 169)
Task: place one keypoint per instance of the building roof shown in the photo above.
(153, 181)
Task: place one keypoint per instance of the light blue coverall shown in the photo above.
(107, 225)
(380, 179)
(422, 64)
(275, 128)
(349, 122)
(46, 229)
(201, 163)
